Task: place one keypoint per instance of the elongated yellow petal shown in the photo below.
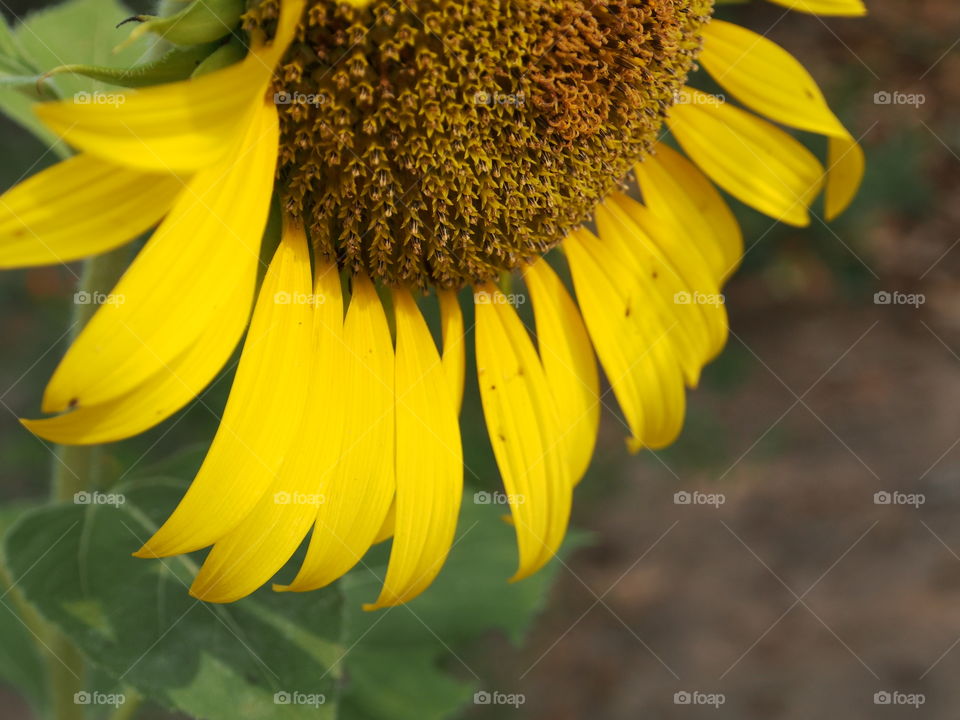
(569, 364)
(161, 395)
(522, 424)
(262, 414)
(633, 349)
(769, 80)
(750, 158)
(674, 189)
(429, 461)
(454, 349)
(686, 263)
(184, 276)
(250, 554)
(180, 126)
(389, 524)
(358, 493)
(79, 207)
(846, 165)
(847, 8)
(657, 286)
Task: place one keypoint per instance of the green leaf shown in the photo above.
(77, 32)
(201, 21)
(74, 32)
(21, 664)
(19, 108)
(394, 669)
(12, 60)
(135, 619)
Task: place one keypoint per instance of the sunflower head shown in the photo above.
(431, 143)
(441, 143)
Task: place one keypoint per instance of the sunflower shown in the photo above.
(422, 147)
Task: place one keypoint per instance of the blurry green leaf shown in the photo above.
(12, 60)
(21, 664)
(77, 31)
(19, 108)
(200, 21)
(394, 670)
(135, 619)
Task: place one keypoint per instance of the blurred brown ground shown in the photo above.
(799, 597)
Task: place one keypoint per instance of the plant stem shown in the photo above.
(77, 468)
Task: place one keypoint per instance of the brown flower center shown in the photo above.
(441, 142)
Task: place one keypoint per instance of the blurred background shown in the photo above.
(800, 592)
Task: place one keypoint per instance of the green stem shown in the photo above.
(77, 468)
(66, 677)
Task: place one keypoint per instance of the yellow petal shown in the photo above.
(674, 189)
(750, 158)
(522, 424)
(686, 264)
(79, 207)
(656, 285)
(184, 276)
(454, 349)
(180, 126)
(848, 8)
(569, 364)
(770, 81)
(250, 554)
(358, 493)
(631, 343)
(429, 461)
(159, 396)
(846, 165)
(389, 525)
(263, 411)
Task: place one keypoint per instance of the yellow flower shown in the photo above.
(343, 412)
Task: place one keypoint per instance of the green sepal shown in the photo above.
(224, 56)
(201, 21)
(176, 64)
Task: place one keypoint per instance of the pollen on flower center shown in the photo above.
(441, 142)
